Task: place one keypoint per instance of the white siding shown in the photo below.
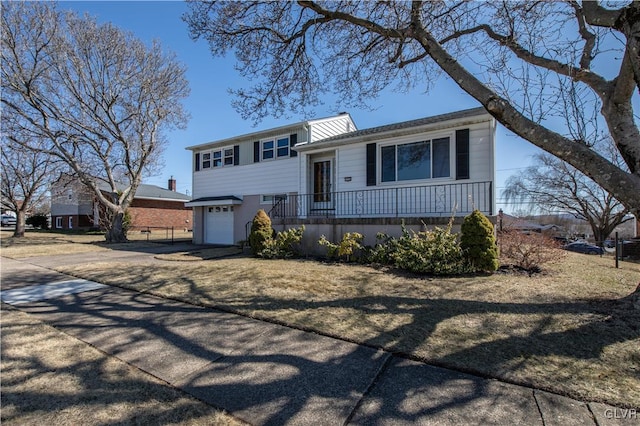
(435, 195)
(331, 127)
(267, 177)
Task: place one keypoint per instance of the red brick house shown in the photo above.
(74, 207)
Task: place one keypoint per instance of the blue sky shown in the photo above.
(213, 117)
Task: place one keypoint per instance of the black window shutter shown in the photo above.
(371, 164)
(236, 155)
(462, 154)
(293, 139)
(197, 161)
(256, 152)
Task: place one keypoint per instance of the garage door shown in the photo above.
(219, 225)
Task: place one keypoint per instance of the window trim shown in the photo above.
(217, 158)
(409, 140)
(58, 222)
(280, 142)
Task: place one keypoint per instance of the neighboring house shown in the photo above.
(506, 222)
(73, 206)
(333, 178)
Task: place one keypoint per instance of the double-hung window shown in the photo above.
(206, 160)
(428, 159)
(275, 148)
(217, 158)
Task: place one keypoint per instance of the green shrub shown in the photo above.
(350, 245)
(284, 245)
(435, 252)
(381, 253)
(478, 242)
(261, 232)
(38, 221)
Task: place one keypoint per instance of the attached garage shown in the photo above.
(214, 219)
(219, 225)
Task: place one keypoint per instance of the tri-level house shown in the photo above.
(333, 178)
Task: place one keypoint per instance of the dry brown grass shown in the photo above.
(570, 330)
(49, 377)
(38, 243)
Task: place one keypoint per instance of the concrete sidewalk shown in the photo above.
(267, 374)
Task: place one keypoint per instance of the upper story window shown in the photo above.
(275, 148)
(217, 158)
(427, 159)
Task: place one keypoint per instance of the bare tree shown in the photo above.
(101, 98)
(26, 175)
(514, 58)
(550, 185)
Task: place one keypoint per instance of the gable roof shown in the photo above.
(151, 192)
(411, 126)
(268, 132)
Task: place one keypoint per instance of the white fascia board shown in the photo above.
(177, 200)
(226, 202)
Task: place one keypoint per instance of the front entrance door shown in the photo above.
(322, 185)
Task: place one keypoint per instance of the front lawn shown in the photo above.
(569, 330)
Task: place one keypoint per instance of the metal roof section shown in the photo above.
(267, 132)
(406, 127)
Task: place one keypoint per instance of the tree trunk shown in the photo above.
(20, 225)
(116, 232)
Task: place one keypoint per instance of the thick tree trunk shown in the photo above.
(116, 232)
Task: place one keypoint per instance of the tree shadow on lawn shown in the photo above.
(265, 374)
(282, 376)
(569, 360)
(49, 377)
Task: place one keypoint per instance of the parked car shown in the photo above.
(8, 220)
(583, 247)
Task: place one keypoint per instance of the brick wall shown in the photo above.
(161, 213)
(77, 222)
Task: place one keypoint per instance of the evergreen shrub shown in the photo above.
(286, 244)
(478, 242)
(261, 232)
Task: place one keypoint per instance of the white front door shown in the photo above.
(219, 225)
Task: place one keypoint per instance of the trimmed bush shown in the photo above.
(285, 245)
(261, 232)
(350, 245)
(435, 252)
(478, 242)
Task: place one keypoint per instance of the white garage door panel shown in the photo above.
(219, 225)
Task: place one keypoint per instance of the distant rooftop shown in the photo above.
(146, 191)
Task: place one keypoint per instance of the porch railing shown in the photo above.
(412, 201)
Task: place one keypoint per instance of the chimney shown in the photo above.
(172, 184)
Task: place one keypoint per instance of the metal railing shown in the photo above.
(410, 201)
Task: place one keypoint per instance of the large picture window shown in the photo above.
(417, 160)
